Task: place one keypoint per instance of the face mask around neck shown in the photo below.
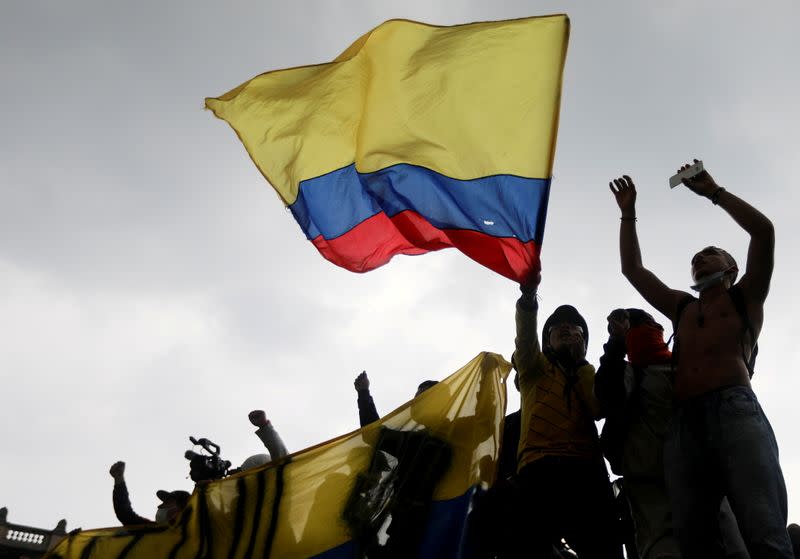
(710, 280)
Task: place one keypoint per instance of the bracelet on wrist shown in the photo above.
(715, 195)
(628, 218)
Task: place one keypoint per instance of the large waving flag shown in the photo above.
(414, 139)
(415, 471)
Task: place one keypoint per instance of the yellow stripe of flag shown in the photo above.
(467, 101)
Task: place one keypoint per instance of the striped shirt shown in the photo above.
(553, 423)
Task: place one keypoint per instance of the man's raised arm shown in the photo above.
(268, 435)
(526, 344)
(121, 500)
(643, 280)
(367, 412)
(761, 251)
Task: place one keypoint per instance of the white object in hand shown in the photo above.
(687, 173)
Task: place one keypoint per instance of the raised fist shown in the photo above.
(117, 470)
(258, 418)
(362, 381)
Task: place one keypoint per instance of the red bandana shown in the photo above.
(646, 346)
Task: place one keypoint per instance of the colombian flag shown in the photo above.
(416, 138)
(399, 487)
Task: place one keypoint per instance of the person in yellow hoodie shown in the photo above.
(564, 485)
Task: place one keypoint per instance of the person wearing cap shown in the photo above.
(719, 442)
(172, 502)
(636, 395)
(565, 491)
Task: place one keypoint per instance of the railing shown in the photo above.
(17, 536)
(26, 538)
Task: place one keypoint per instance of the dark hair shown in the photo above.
(638, 317)
(426, 384)
(732, 262)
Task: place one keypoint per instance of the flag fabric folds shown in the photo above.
(415, 469)
(416, 138)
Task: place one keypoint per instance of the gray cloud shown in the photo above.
(152, 287)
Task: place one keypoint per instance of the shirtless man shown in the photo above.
(720, 442)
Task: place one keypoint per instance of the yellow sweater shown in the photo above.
(549, 426)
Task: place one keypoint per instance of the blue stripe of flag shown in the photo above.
(500, 205)
(444, 533)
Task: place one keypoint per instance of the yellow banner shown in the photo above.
(331, 499)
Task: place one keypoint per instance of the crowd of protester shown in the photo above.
(697, 459)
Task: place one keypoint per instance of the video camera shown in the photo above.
(203, 467)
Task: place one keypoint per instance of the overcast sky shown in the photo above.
(153, 287)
